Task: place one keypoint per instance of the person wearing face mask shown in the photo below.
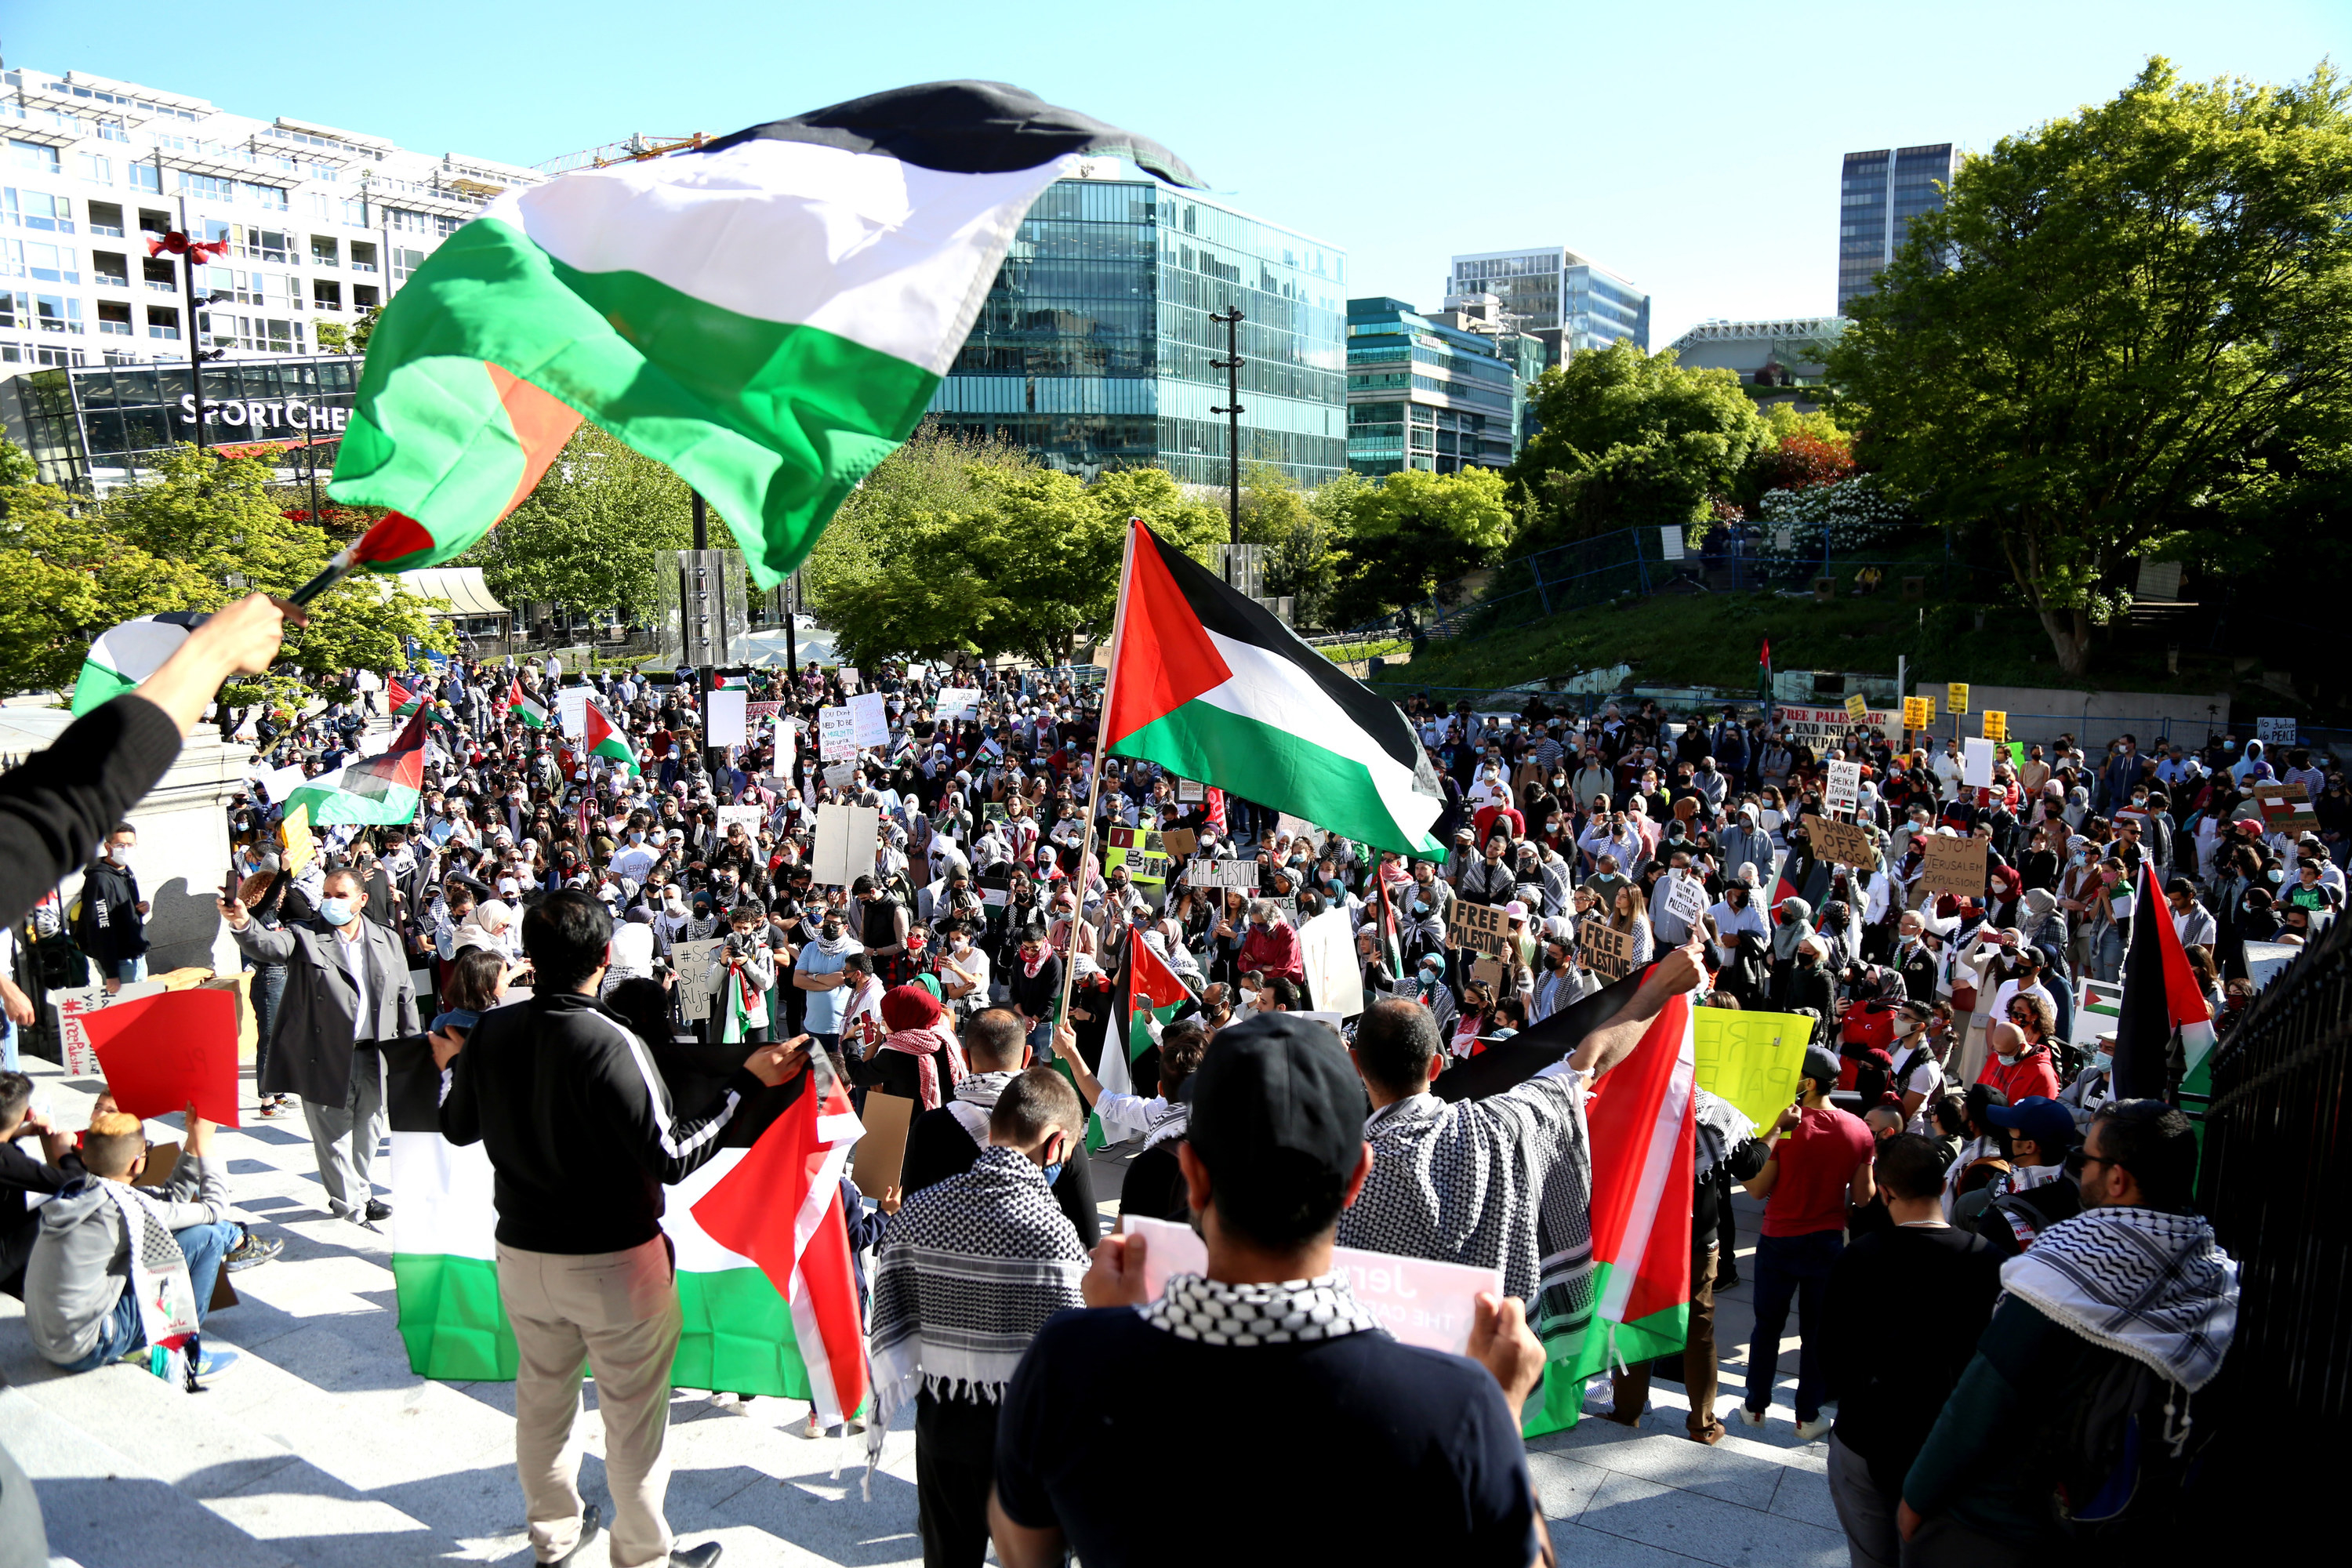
(821, 976)
(347, 991)
(110, 918)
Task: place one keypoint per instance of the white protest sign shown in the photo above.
(1205, 872)
(1190, 790)
(836, 735)
(751, 816)
(1420, 1302)
(841, 775)
(1297, 827)
(1844, 790)
(2276, 732)
(279, 782)
(1976, 762)
(848, 673)
(845, 844)
(787, 752)
(1327, 948)
(726, 721)
(869, 719)
(1670, 543)
(918, 672)
(1686, 897)
(957, 702)
(572, 709)
(692, 961)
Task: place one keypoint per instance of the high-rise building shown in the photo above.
(1440, 390)
(1879, 195)
(1093, 348)
(1568, 301)
(321, 223)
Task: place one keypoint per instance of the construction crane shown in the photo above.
(635, 150)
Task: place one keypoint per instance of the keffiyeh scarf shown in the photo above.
(1243, 1316)
(159, 1279)
(2140, 1282)
(975, 1097)
(1722, 1127)
(967, 1273)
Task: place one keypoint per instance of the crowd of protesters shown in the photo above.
(1947, 1015)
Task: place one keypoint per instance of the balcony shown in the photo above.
(114, 329)
(113, 280)
(109, 230)
(160, 286)
(169, 334)
(363, 266)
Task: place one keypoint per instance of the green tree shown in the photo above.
(1412, 532)
(2124, 335)
(1301, 531)
(1632, 440)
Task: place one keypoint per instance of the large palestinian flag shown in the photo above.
(739, 1333)
(379, 791)
(767, 315)
(1146, 993)
(120, 659)
(2161, 995)
(608, 740)
(1206, 682)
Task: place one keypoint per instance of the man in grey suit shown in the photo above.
(347, 991)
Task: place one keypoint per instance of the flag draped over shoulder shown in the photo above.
(1206, 682)
(379, 791)
(767, 315)
(2160, 995)
(738, 1332)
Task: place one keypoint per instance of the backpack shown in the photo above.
(2125, 1456)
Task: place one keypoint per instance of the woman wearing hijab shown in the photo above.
(1792, 925)
(919, 1057)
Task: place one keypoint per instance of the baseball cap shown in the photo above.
(1821, 1065)
(1276, 1104)
(2039, 1117)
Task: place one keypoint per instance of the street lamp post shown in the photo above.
(1231, 365)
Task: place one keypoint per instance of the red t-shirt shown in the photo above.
(1817, 1165)
(2029, 1074)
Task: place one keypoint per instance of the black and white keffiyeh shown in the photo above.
(974, 1098)
(967, 1273)
(1722, 1127)
(1215, 1313)
(2143, 1283)
(1500, 1183)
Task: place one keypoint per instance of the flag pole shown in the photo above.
(1094, 785)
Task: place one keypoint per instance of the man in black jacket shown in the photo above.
(581, 1138)
(112, 927)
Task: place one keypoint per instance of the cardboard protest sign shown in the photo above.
(1419, 1301)
(1844, 790)
(1327, 948)
(882, 1152)
(845, 844)
(1842, 842)
(727, 719)
(836, 735)
(1190, 792)
(1212, 873)
(691, 962)
(2285, 807)
(1602, 949)
(161, 1052)
(869, 718)
(2274, 732)
(1179, 842)
(1487, 971)
(1953, 866)
(751, 816)
(1140, 850)
(1751, 1060)
(301, 843)
(1685, 898)
(1477, 928)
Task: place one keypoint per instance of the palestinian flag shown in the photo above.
(120, 659)
(738, 1332)
(378, 791)
(402, 700)
(520, 707)
(1146, 994)
(2160, 997)
(779, 1207)
(1207, 683)
(607, 739)
(768, 315)
(743, 1010)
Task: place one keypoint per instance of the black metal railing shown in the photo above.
(2274, 1179)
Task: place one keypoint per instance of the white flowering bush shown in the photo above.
(1854, 514)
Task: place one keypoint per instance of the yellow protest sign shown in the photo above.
(1918, 712)
(1996, 725)
(1856, 705)
(1751, 1060)
(1956, 696)
(300, 847)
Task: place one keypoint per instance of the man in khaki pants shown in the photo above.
(580, 1131)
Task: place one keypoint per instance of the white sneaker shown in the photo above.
(1816, 1429)
(1752, 1418)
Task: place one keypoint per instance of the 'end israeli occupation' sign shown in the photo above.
(288, 414)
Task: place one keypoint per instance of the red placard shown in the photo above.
(161, 1052)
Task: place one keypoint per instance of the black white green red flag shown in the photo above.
(768, 315)
(378, 792)
(2161, 997)
(608, 740)
(1146, 993)
(1206, 682)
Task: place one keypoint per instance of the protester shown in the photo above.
(945, 1141)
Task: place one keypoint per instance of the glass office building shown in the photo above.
(1569, 301)
(92, 426)
(1439, 390)
(1879, 195)
(1094, 345)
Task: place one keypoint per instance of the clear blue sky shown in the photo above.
(1692, 146)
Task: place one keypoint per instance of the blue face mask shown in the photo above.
(335, 911)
